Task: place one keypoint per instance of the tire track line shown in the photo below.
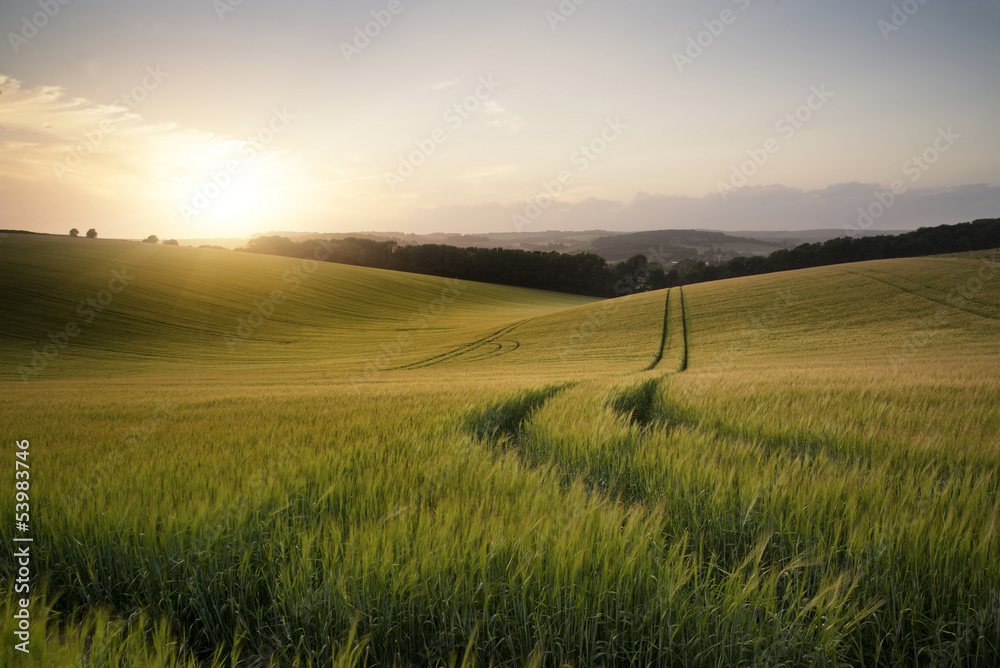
(461, 350)
(917, 294)
(933, 290)
(663, 339)
(684, 333)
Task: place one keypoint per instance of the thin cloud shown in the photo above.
(51, 142)
(498, 116)
(773, 207)
(441, 85)
(53, 138)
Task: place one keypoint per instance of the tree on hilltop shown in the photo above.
(92, 233)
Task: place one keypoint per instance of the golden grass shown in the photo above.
(514, 483)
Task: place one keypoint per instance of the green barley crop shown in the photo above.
(792, 469)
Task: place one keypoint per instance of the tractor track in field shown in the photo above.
(684, 333)
(667, 331)
(502, 424)
(933, 290)
(663, 338)
(503, 347)
(917, 294)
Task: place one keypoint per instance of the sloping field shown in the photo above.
(791, 469)
(207, 310)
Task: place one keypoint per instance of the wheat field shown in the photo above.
(251, 460)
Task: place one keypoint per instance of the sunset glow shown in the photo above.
(354, 124)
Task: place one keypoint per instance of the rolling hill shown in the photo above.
(795, 468)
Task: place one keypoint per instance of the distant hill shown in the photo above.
(564, 242)
(226, 242)
(794, 238)
(677, 245)
(680, 245)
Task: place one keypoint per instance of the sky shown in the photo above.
(222, 118)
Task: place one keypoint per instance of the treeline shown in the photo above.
(978, 235)
(583, 273)
(590, 274)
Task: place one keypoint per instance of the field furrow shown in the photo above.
(465, 349)
(664, 336)
(924, 294)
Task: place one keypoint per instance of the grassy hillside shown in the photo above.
(186, 308)
(792, 469)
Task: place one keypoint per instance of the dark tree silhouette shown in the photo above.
(92, 233)
(151, 239)
(589, 274)
(74, 232)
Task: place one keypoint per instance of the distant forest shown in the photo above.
(590, 274)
